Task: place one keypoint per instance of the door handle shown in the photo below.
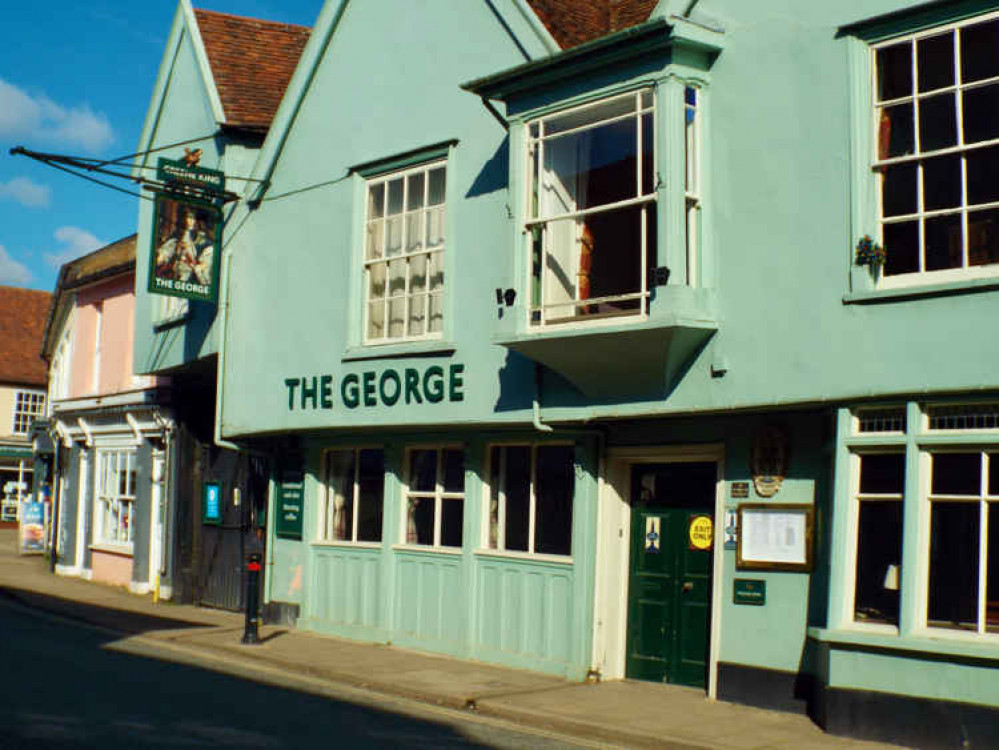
(688, 586)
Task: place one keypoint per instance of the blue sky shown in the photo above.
(76, 78)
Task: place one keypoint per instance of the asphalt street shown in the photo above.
(71, 686)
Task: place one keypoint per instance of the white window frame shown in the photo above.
(439, 252)
(693, 197)
(982, 499)
(29, 405)
(439, 495)
(500, 546)
(534, 176)
(325, 524)
(878, 165)
(107, 497)
(919, 442)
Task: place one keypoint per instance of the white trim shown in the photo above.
(613, 540)
(203, 64)
(70, 571)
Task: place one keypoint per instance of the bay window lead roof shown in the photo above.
(252, 62)
(573, 22)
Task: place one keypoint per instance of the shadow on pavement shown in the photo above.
(72, 688)
(122, 620)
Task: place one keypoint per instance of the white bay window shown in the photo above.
(592, 209)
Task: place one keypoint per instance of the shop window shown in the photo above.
(964, 541)
(592, 209)
(531, 491)
(404, 255)
(881, 482)
(28, 406)
(115, 498)
(936, 151)
(435, 496)
(352, 508)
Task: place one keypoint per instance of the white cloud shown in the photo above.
(75, 242)
(26, 192)
(12, 272)
(38, 118)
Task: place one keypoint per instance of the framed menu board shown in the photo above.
(775, 537)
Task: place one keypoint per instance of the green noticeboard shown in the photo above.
(749, 592)
(289, 505)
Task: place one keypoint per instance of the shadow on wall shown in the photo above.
(494, 174)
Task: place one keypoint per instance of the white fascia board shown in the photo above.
(206, 69)
(291, 102)
(155, 108)
(539, 28)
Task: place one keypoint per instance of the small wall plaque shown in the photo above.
(748, 591)
(740, 490)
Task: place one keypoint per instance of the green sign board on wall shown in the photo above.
(289, 505)
(749, 592)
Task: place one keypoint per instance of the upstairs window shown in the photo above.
(28, 406)
(592, 210)
(404, 255)
(936, 142)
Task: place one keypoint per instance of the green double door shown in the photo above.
(669, 592)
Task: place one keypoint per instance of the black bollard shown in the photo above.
(251, 633)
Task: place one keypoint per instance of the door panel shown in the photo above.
(670, 579)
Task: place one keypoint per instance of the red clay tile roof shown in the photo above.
(22, 317)
(575, 22)
(252, 62)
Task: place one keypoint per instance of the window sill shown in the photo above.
(322, 544)
(124, 550)
(529, 557)
(402, 350)
(427, 549)
(901, 293)
(961, 645)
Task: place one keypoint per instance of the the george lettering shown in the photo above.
(310, 390)
(413, 385)
(389, 376)
(433, 384)
(291, 384)
(455, 383)
(368, 379)
(387, 388)
(350, 392)
(326, 391)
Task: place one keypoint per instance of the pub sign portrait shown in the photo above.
(186, 246)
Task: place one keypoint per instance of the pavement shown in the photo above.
(619, 713)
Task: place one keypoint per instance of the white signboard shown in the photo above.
(775, 537)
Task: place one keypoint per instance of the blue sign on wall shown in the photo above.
(211, 503)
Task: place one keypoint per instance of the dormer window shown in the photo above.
(591, 223)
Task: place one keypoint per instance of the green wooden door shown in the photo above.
(669, 592)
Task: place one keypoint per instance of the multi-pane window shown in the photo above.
(435, 496)
(936, 136)
(404, 255)
(28, 406)
(963, 586)
(530, 498)
(592, 209)
(351, 511)
(115, 497)
(879, 494)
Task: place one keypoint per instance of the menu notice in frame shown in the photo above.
(775, 537)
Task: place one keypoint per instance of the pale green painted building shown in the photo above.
(557, 334)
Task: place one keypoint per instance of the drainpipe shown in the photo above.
(536, 403)
(223, 335)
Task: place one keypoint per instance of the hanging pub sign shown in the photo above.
(187, 230)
